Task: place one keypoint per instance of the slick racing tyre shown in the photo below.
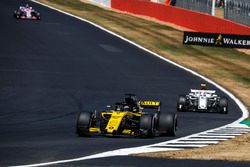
(83, 123)
(167, 124)
(147, 126)
(223, 106)
(181, 103)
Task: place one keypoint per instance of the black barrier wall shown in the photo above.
(238, 11)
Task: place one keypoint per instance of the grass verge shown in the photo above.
(233, 150)
(228, 67)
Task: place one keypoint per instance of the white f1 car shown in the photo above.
(26, 12)
(203, 101)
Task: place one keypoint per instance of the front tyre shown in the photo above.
(181, 103)
(167, 124)
(83, 123)
(16, 15)
(223, 106)
(38, 16)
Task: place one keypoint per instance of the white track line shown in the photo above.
(145, 149)
(195, 141)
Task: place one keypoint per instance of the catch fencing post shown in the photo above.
(213, 8)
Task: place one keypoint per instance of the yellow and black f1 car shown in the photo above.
(128, 118)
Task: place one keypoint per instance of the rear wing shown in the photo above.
(150, 104)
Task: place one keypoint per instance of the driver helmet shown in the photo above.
(126, 108)
(27, 5)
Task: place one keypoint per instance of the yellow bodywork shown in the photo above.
(94, 130)
(127, 132)
(116, 118)
(115, 121)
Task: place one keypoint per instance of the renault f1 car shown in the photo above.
(26, 12)
(128, 118)
(203, 101)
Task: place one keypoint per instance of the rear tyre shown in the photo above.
(181, 103)
(223, 106)
(146, 126)
(37, 15)
(16, 16)
(83, 124)
(167, 124)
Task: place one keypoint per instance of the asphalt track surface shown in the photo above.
(54, 68)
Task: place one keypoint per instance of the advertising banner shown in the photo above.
(217, 40)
